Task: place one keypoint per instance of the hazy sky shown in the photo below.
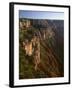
(41, 15)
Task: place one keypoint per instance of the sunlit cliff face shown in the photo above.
(33, 48)
(28, 48)
(29, 45)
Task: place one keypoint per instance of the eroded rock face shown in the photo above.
(28, 47)
(43, 43)
(33, 48)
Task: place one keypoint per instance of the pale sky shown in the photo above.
(41, 15)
